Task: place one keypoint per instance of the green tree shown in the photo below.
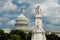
(29, 35)
(2, 35)
(14, 37)
(21, 33)
(52, 37)
(7, 36)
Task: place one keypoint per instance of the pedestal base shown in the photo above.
(38, 36)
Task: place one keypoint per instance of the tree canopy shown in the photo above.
(21, 35)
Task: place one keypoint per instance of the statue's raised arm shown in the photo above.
(38, 10)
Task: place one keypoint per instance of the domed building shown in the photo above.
(37, 32)
(22, 22)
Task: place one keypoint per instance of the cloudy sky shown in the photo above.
(10, 9)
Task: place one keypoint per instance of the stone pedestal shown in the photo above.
(38, 36)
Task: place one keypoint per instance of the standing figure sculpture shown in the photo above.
(38, 10)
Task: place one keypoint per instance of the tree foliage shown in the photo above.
(21, 35)
(14, 37)
(2, 35)
(52, 37)
(29, 35)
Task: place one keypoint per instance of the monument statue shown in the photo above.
(38, 33)
(38, 10)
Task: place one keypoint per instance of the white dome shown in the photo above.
(22, 20)
(22, 17)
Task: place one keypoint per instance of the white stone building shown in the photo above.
(38, 31)
(22, 22)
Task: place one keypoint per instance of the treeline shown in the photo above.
(52, 37)
(21, 35)
(15, 35)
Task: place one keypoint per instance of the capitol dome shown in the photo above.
(22, 17)
(21, 21)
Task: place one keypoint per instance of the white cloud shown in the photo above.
(8, 6)
(50, 27)
(53, 3)
(3, 18)
(46, 6)
(33, 3)
(9, 15)
(12, 22)
(51, 23)
(55, 21)
(49, 8)
(49, 3)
